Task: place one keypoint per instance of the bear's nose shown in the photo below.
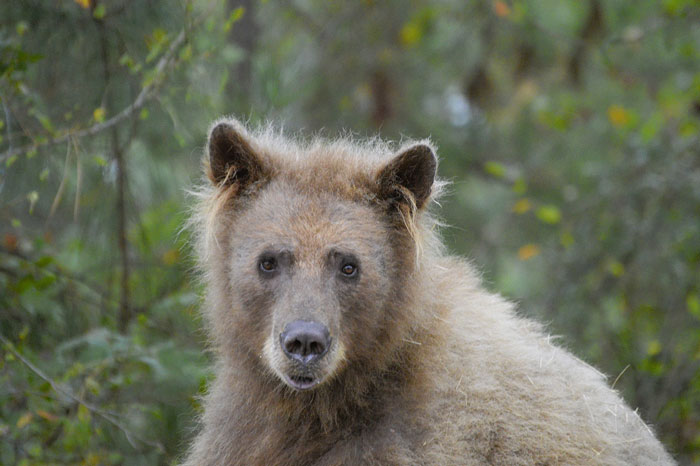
(305, 341)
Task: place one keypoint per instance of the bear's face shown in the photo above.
(316, 248)
(309, 273)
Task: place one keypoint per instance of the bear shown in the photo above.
(344, 333)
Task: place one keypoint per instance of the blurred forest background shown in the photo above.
(570, 130)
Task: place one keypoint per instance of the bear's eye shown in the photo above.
(349, 270)
(268, 264)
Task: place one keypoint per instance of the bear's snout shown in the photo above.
(305, 341)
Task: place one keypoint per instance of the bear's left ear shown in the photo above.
(409, 176)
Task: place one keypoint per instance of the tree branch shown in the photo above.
(59, 272)
(147, 92)
(61, 390)
(118, 155)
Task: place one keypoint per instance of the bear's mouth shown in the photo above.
(301, 382)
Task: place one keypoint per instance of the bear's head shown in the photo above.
(316, 247)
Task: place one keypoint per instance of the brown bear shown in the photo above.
(345, 334)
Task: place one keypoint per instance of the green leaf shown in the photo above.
(616, 268)
(651, 127)
(44, 261)
(652, 366)
(148, 78)
(32, 197)
(567, 239)
(21, 28)
(654, 348)
(92, 385)
(186, 53)
(126, 60)
(411, 33)
(99, 11)
(99, 114)
(83, 413)
(24, 284)
(689, 128)
(155, 43)
(46, 123)
(100, 161)
(520, 186)
(45, 281)
(549, 214)
(235, 15)
(693, 303)
(495, 169)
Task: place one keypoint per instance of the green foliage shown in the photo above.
(570, 130)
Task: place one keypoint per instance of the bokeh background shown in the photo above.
(570, 130)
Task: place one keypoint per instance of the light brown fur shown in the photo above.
(428, 368)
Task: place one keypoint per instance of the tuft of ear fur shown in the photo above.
(232, 158)
(408, 178)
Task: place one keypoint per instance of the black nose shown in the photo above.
(305, 341)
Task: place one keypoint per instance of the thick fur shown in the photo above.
(429, 368)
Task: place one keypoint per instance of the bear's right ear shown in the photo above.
(232, 159)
